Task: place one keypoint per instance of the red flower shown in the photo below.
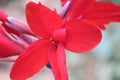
(99, 13)
(75, 35)
(12, 33)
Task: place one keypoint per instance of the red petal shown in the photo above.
(58, 62)
(82, 36)
(31, 60)
(7, 46)
(54, 63)
(41, 19)
(3, 16)
(103, 13)
(78, 7)
(62, 61)
(64, 1)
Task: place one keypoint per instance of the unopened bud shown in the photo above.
(29, 38)
(18, 25)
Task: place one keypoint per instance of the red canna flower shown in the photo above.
(57, 35)
(15, 36)
(100, 13)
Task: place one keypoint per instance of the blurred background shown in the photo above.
(102, 63)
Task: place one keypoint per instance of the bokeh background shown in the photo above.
(101, 63)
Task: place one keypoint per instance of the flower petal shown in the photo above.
(61, 55)
(3, 16)
(41, 19)
(103, 13)
(31, 60)
(7, 46)
(78, 7)
(58, 62)
(64, 1)
(82, 36)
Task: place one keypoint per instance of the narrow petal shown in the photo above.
(82, 36)
(78, 7)
(54, 62)
(62, 61)
(103, 13)
(30, 61)
(41, 19)
(58, 62)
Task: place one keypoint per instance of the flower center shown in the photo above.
(59, 35)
